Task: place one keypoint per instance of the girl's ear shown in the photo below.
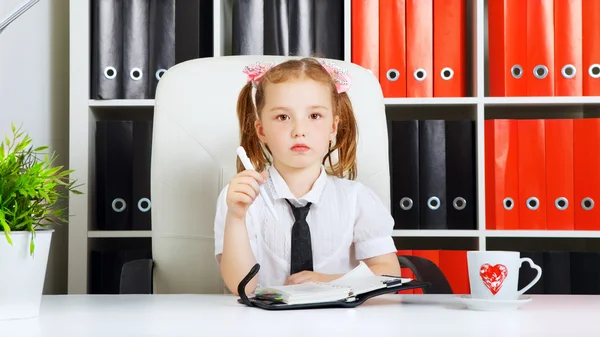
(334, 127)
(260, 132)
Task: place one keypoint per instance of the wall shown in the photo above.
(34, 93)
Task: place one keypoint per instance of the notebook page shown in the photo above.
(361, 280)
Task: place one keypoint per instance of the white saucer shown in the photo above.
(493, 305)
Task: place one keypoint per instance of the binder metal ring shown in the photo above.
(110, 72)
(561, 203)
(420, 74)
(587, 203)
(431, 201)
(533, 203)
(406, 203)
(508, 203)
(459, 203)
(516, 71)
(148, 204)
(447, 73)
(159, 73)
(568, 71)
(136, 74)
(392, 75)
(540, 71)
(594, 70)
(119, 209)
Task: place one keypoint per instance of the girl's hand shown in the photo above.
(310, 276)
(243, 189)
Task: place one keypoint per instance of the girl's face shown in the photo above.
(297, 122)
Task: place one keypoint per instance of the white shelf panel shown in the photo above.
(435, 233)
(541, 234)
(541, 100)
(430, 101)
(119, 234)
(121, 103)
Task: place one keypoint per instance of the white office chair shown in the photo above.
(194, 156)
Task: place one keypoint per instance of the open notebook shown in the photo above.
(350, 290)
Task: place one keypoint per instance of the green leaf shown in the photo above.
(41, 148)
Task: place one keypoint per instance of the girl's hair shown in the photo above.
(345, 141)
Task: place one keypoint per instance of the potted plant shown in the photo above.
(32, 193)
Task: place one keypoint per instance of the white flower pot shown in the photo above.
(22, 274)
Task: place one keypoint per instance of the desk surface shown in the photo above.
(221, 315)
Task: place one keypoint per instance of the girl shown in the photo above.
(327, 221)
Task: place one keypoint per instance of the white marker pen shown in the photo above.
(248, 166)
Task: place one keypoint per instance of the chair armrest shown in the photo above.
(426, 270)
(136, 277)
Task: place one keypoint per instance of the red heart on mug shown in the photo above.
(493, 276)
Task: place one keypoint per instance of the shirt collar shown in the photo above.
(281, 190)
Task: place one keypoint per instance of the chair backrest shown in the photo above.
(195, 136)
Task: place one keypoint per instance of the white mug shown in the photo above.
(494, 275)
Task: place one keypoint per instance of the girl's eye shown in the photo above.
(282, 117)
(315, 116)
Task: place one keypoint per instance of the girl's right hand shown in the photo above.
(243, 189)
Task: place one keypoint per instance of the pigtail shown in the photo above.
(246, 112)
(345, 141)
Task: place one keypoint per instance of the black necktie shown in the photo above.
(301, 253)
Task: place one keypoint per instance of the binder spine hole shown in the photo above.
(540, 72)
(144, 205)
(568, 71)
(392, 75)
(594, 70)
(159, 73)
(516, 71)
(406, 203)
(420, 74)
(447, 73)
(459, 203)
(561, 203)
(110, 72)
(508, 204)
(119, 205)
(533, 203)
(587, 203)
(433, 203)
(136, 74)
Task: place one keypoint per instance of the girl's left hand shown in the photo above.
(309, 276)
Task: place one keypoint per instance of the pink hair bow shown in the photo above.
(256, 71)
(340, 76)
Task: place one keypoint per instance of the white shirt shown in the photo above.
(347, 220)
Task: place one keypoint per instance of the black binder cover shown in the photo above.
(106, 266)
(329, 29)
(585, 273)
(161, 41)
(432, 174)
(142, 153)
(345, 303)
(302, 27)
(248, 27)
(135, 49)
(527, 274)
(557, 271)
(276, 31)
(461, 204)
(206, 28)
(113, 174)
(404, 173)
(187, 30)
(107, 48)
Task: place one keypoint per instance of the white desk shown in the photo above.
(221, 315)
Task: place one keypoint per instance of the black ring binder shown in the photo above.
(350, 302)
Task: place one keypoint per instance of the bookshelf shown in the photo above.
(477, 106)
